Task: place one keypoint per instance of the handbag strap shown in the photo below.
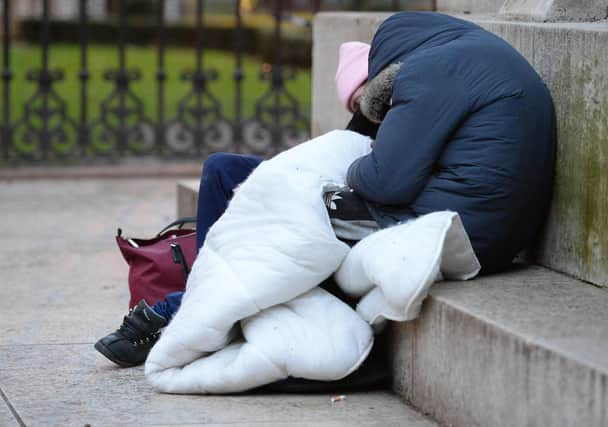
(179, 222)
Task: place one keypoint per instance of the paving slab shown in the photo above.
(70, 303)
(6, 416)
(316, 423)
(128, 168)
(58, 255)
(71, 384)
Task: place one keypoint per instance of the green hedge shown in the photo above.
(218, 34)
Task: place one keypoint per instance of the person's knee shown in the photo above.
(229, 166)
(216, 162)
(226, 163)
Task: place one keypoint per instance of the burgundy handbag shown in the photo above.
(160, 265)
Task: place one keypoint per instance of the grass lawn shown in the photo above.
(102, 58)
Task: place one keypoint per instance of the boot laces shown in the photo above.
(135, 334)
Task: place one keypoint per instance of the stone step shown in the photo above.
(187, 196)
(527, 347)
(535, 10)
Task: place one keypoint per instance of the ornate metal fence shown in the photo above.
(45, 131)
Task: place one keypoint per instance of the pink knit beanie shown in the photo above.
(352, 69)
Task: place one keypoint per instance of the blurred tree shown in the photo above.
(143, 8)
(248, 5)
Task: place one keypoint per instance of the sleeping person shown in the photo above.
(461, 122)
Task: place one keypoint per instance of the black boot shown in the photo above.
(131, 343)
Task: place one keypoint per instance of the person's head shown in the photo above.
(352, 73)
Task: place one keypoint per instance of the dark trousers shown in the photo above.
(222, 173)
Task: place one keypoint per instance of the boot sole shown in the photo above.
(100, 347)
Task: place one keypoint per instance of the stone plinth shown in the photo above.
(187, 198)
(573, 60)
(331, 30)
(556, 10)
(469, 6)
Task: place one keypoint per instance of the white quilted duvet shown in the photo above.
(252, 312)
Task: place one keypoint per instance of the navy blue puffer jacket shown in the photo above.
(470, 128)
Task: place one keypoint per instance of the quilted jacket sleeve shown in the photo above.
(428, 103)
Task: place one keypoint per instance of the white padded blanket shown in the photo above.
(252, 312)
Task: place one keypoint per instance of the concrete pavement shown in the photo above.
(64, 286)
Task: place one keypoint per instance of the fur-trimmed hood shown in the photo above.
(376, 99)
(406, 33)
(397, 38)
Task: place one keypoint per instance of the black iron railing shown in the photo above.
(6, 130)
(45, 131)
